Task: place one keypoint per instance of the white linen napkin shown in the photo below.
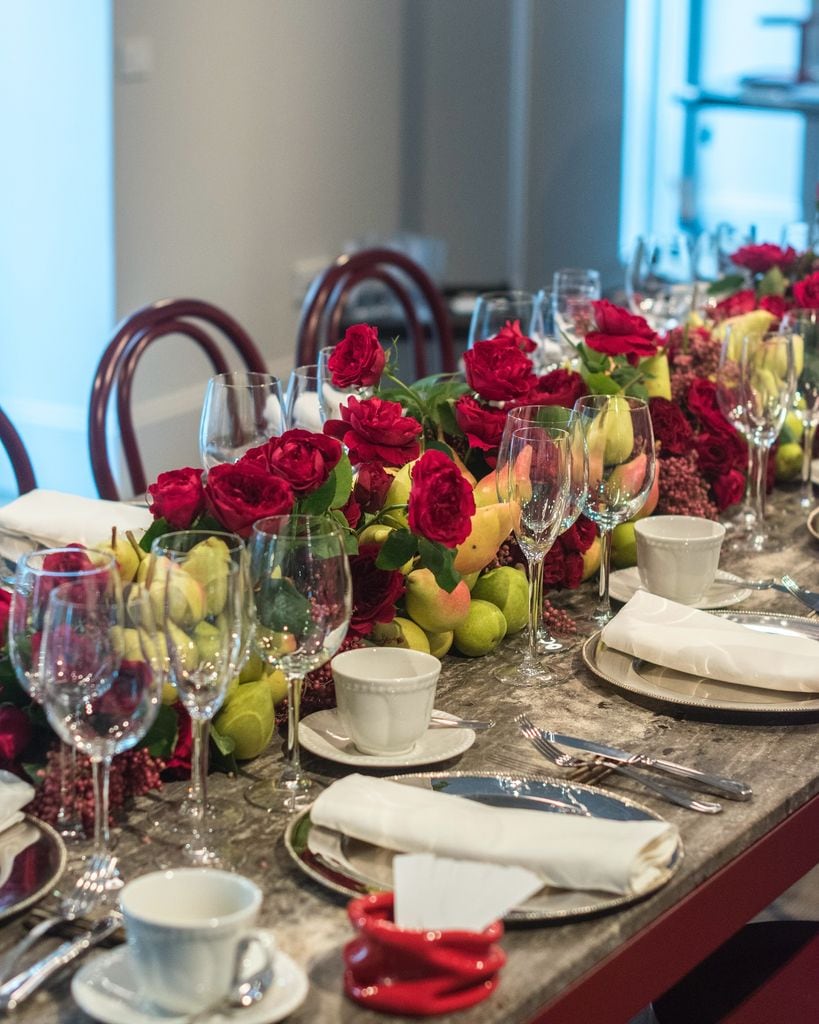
(681, 637)
(44, 518)
(569, 851)
(15, 793)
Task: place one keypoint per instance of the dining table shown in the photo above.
(601, 967)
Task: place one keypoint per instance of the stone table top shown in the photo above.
(777, 758)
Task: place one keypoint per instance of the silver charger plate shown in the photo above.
(668, 687)
(813, 524)
(32, 860)
(356, 868)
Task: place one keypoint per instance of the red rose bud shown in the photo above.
(178, 496)
(358, 359)
(375, 591)
(240, 493)
(371, 486)
(441, 502)
(511, 332)
(15, 733)
(375, 430)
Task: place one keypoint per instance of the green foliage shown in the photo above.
(726, 285)
(161, 737)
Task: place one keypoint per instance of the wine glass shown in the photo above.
(303, 592)
(37, 574)
(331, 397)
(660, 280)
(242, 410)
(620, 445)
(574, 292)
(732, 407)
(539, 473)
(547, 416)
(494, 310)
(99, 693)
(302, 407)
(804, 324)
(198, 592)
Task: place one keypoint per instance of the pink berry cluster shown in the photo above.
(557, 620)
(684, 491)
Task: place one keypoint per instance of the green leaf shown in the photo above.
(399, 546)
(343, 476)
(773, 283)
(441, 563)
(280, 606)
(224, 744)
(601, 384)
(158, 528)
(161, 737)
(318, 502)
(726, 285)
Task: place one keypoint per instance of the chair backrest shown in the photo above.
(196, 320)
(18, 456)
(324, 305)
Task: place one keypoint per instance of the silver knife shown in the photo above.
(731, 788)
(22, 985)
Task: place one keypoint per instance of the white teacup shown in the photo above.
(188, 931)
(385, 696)
(677, 556)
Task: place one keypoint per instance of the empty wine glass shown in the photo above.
(620, 445)
(804, 324)
(660, 280)
(539, 471)
(302, 407)
(198, 592)
(303, 593)
(547, 416)
(494, 310)
(98, 695)
(37, 574)
(242, 410)
(574, 292)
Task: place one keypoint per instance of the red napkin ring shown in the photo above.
(406, 970)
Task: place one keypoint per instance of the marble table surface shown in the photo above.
(777, 758)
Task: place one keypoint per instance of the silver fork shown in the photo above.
(563, 760)
(808, 597)
(84, 895)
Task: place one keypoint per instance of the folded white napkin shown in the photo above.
(50, 518)
(680, 637)
(15, 793)
(569, 851)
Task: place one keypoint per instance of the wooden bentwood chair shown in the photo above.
(327, 298)
(18, 456)
(204, 324)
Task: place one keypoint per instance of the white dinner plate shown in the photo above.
(106, 989)
(624, 584)
(322, 733)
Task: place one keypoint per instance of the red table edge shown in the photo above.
(654, 959)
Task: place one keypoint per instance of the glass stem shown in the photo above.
(294, 688)
(758, 483)
(69, 821)
(603, 610)
(101, 773)
(535, 603)
(542, 630)
(199, 777)
(808, 435)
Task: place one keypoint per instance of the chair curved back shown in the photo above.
(324, 304)
(194, 319)
(18, 456)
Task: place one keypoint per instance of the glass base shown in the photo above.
(290, 791)
(525, 671)
(177, 815)
(203, 855)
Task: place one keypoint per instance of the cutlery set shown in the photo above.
(785, 585)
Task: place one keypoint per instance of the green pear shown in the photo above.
(131, 645)
(481, 631)
(611, 429)
(507, 589)
(125, 553)
(174, 590)
(181, 645)
(208, 639)
(208, 563)
(657, 376)
(248, 718)
(431, 607)
(398, 494)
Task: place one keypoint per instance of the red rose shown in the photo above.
(580, 535)
(554, 567)
(498, 371)
(15, 733)
(375, 591)
(441, 503)
(358, 359)
(482, 424)
(572, 569)
(670, 427)
(178, 765)
(760, 258)
(375, 430)
(351, 511)
(178, 496)
(735, 305)
(620, 333)
(511, 332)
(720, 452)
(73, 559)
(305, 460)
(558, 387)
(371, 486)
(728, 488)
(775, 304)
(240, 493)
(806, 292)
(701, 401)
(5, 608)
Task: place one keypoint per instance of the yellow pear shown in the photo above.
(591, 559)
(440, 643)
(491, 525)
(125, 554)
(401, 632)
(435, 610)
(208, 564)
(755, 324)
(657, 378)
(610, 432)
(173, 590)
(398, 494)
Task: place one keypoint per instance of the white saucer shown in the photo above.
(106, 989)
(322, 733)
(624, 583)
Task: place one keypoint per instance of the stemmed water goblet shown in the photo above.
(303, 594)
(200, 593)
(660, 280)
(494, 310)
(539, 470)
(302, 407)
(574, 292)
(804, 325)
(550, 416)
(37, 574)
(100, 695)
(242, 409)
(622, 464)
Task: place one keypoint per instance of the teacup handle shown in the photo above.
(262, 938)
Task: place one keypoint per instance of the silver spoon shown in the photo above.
(244, 992)
(443, 720)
